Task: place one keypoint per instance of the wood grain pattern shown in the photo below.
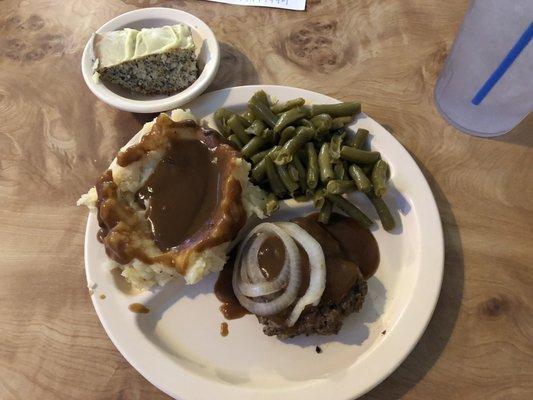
(55, 137)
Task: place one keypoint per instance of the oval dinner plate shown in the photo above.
(177, 346)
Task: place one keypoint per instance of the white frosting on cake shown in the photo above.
(116, 47)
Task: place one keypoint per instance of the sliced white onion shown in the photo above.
(252, 267)
(317, 269)
(289, 295)
(247, 275)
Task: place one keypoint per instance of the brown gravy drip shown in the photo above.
(195, 203)
(138, 308)
(230, 308)
(349, 251)
(224, 331)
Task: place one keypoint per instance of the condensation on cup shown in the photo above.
(486, 85)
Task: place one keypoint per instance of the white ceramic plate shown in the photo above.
(178, 347)
(208, 60)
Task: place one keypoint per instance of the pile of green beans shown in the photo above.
(306, 153)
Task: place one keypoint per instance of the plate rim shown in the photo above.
(419, 314)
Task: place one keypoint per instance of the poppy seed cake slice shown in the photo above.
(150, 61)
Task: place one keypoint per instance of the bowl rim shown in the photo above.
(162, 104)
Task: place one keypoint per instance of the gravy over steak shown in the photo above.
(350, 251)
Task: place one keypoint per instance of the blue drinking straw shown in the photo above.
(504, 65)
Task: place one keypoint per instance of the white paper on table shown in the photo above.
(286, 4)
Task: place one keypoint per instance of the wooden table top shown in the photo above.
(55, 137)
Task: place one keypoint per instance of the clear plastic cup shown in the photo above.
(486, 85)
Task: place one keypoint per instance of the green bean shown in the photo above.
(349, 209)
(340, 122)
(302, 136)
(340, 171)
(324, 164)
(340, 187)
(271, 136)
(249, 116)
(262, 111)
(359, 139)
(256, 158)
(254, 146)
(256, 128)
(379, 178)
(367, 169)
(335, 145)
(259, 171)
(302, 155)
(325, 212)
(220, 120)
(350, 108)
(236, 126)
(262, 97)
(227, 114)
(235, 140)
(305, 122)
(288, 117)
(319, 197)
(302, 173)
(322, 123)
(387, 220)
(288, 182)
(282, 107)
(312, 166)
(293, 172)
(272, 204)
(287, 134)
(359, 177)
(359, 156)
(274, 180)
(303, 198)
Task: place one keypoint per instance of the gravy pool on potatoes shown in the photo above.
(192, 201)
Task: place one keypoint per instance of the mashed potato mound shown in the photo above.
(131, 178)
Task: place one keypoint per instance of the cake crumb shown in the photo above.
(102, 296)
(384, 332)
(318, 349)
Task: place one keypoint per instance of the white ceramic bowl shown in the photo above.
(116, 96)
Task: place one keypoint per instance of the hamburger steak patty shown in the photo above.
(324, 319)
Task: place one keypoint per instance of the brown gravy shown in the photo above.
(349, 251)
(182, 193)
(357, 244)
(230, 308)
(224, 331)
(271, 257)
(138, 308)
(194, 200)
